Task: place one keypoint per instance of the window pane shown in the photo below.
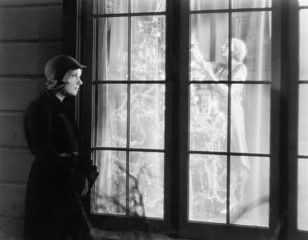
(250, 118)
(238, 129)
(249, 191)
(303, 2)
(146, 181)
(109, 195)
(147, 112)
(148, 48)
(251, 46)
(303, 47)
(112, 48)
(148, 5)
(251, 3)
(110, 6)
(208, 119)
(224, 4)
(303, 119)
(302, 194)
(207, 188)
(208, 5)
(208, 33)
(254, 30)
(302, 205)
(111, 115)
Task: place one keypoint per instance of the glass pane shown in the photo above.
(109, 194)
(208, 119)
(207, 188)
(208, 5)
(251, 3)
(148, 5)
(303, 2)
(148, 48)
(110, 6)
(252, 35)
(251, 46)
(208, 33)
(250, 118)
(146, 184)
(303, 47)
(249, 191)
(303, 119)
(147, 113)
(302, 210)
(112, 48)
(111, 115)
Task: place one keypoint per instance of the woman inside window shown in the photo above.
(219, 72)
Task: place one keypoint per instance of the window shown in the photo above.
(229, 142)
(189, 114)
(128, 111)
(302, 206)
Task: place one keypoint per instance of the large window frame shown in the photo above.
(228, 230)
(284, 123)
(292, 42)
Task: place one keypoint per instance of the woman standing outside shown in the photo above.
(60, 174)
(219, 72)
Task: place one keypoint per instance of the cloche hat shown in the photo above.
(57, 67)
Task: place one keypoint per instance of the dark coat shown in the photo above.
(53, 208)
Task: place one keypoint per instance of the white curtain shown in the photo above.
(144, 54)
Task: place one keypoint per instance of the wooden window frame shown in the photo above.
(284, 120)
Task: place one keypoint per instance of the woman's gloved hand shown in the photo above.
(92, 175)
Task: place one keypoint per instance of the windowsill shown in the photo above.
(99, 234)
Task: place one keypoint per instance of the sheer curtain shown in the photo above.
(111, 118)
(210, 31)
(130, 115)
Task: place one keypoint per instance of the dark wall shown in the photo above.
(30, 34)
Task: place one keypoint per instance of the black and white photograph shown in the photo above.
(153, 119)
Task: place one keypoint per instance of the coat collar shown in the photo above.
(51, 98)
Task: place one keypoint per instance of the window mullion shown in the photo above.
(128, 111)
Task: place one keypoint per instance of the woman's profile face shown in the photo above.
(225, 50)
(73, 81)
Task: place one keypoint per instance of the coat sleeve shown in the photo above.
(86, 166)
